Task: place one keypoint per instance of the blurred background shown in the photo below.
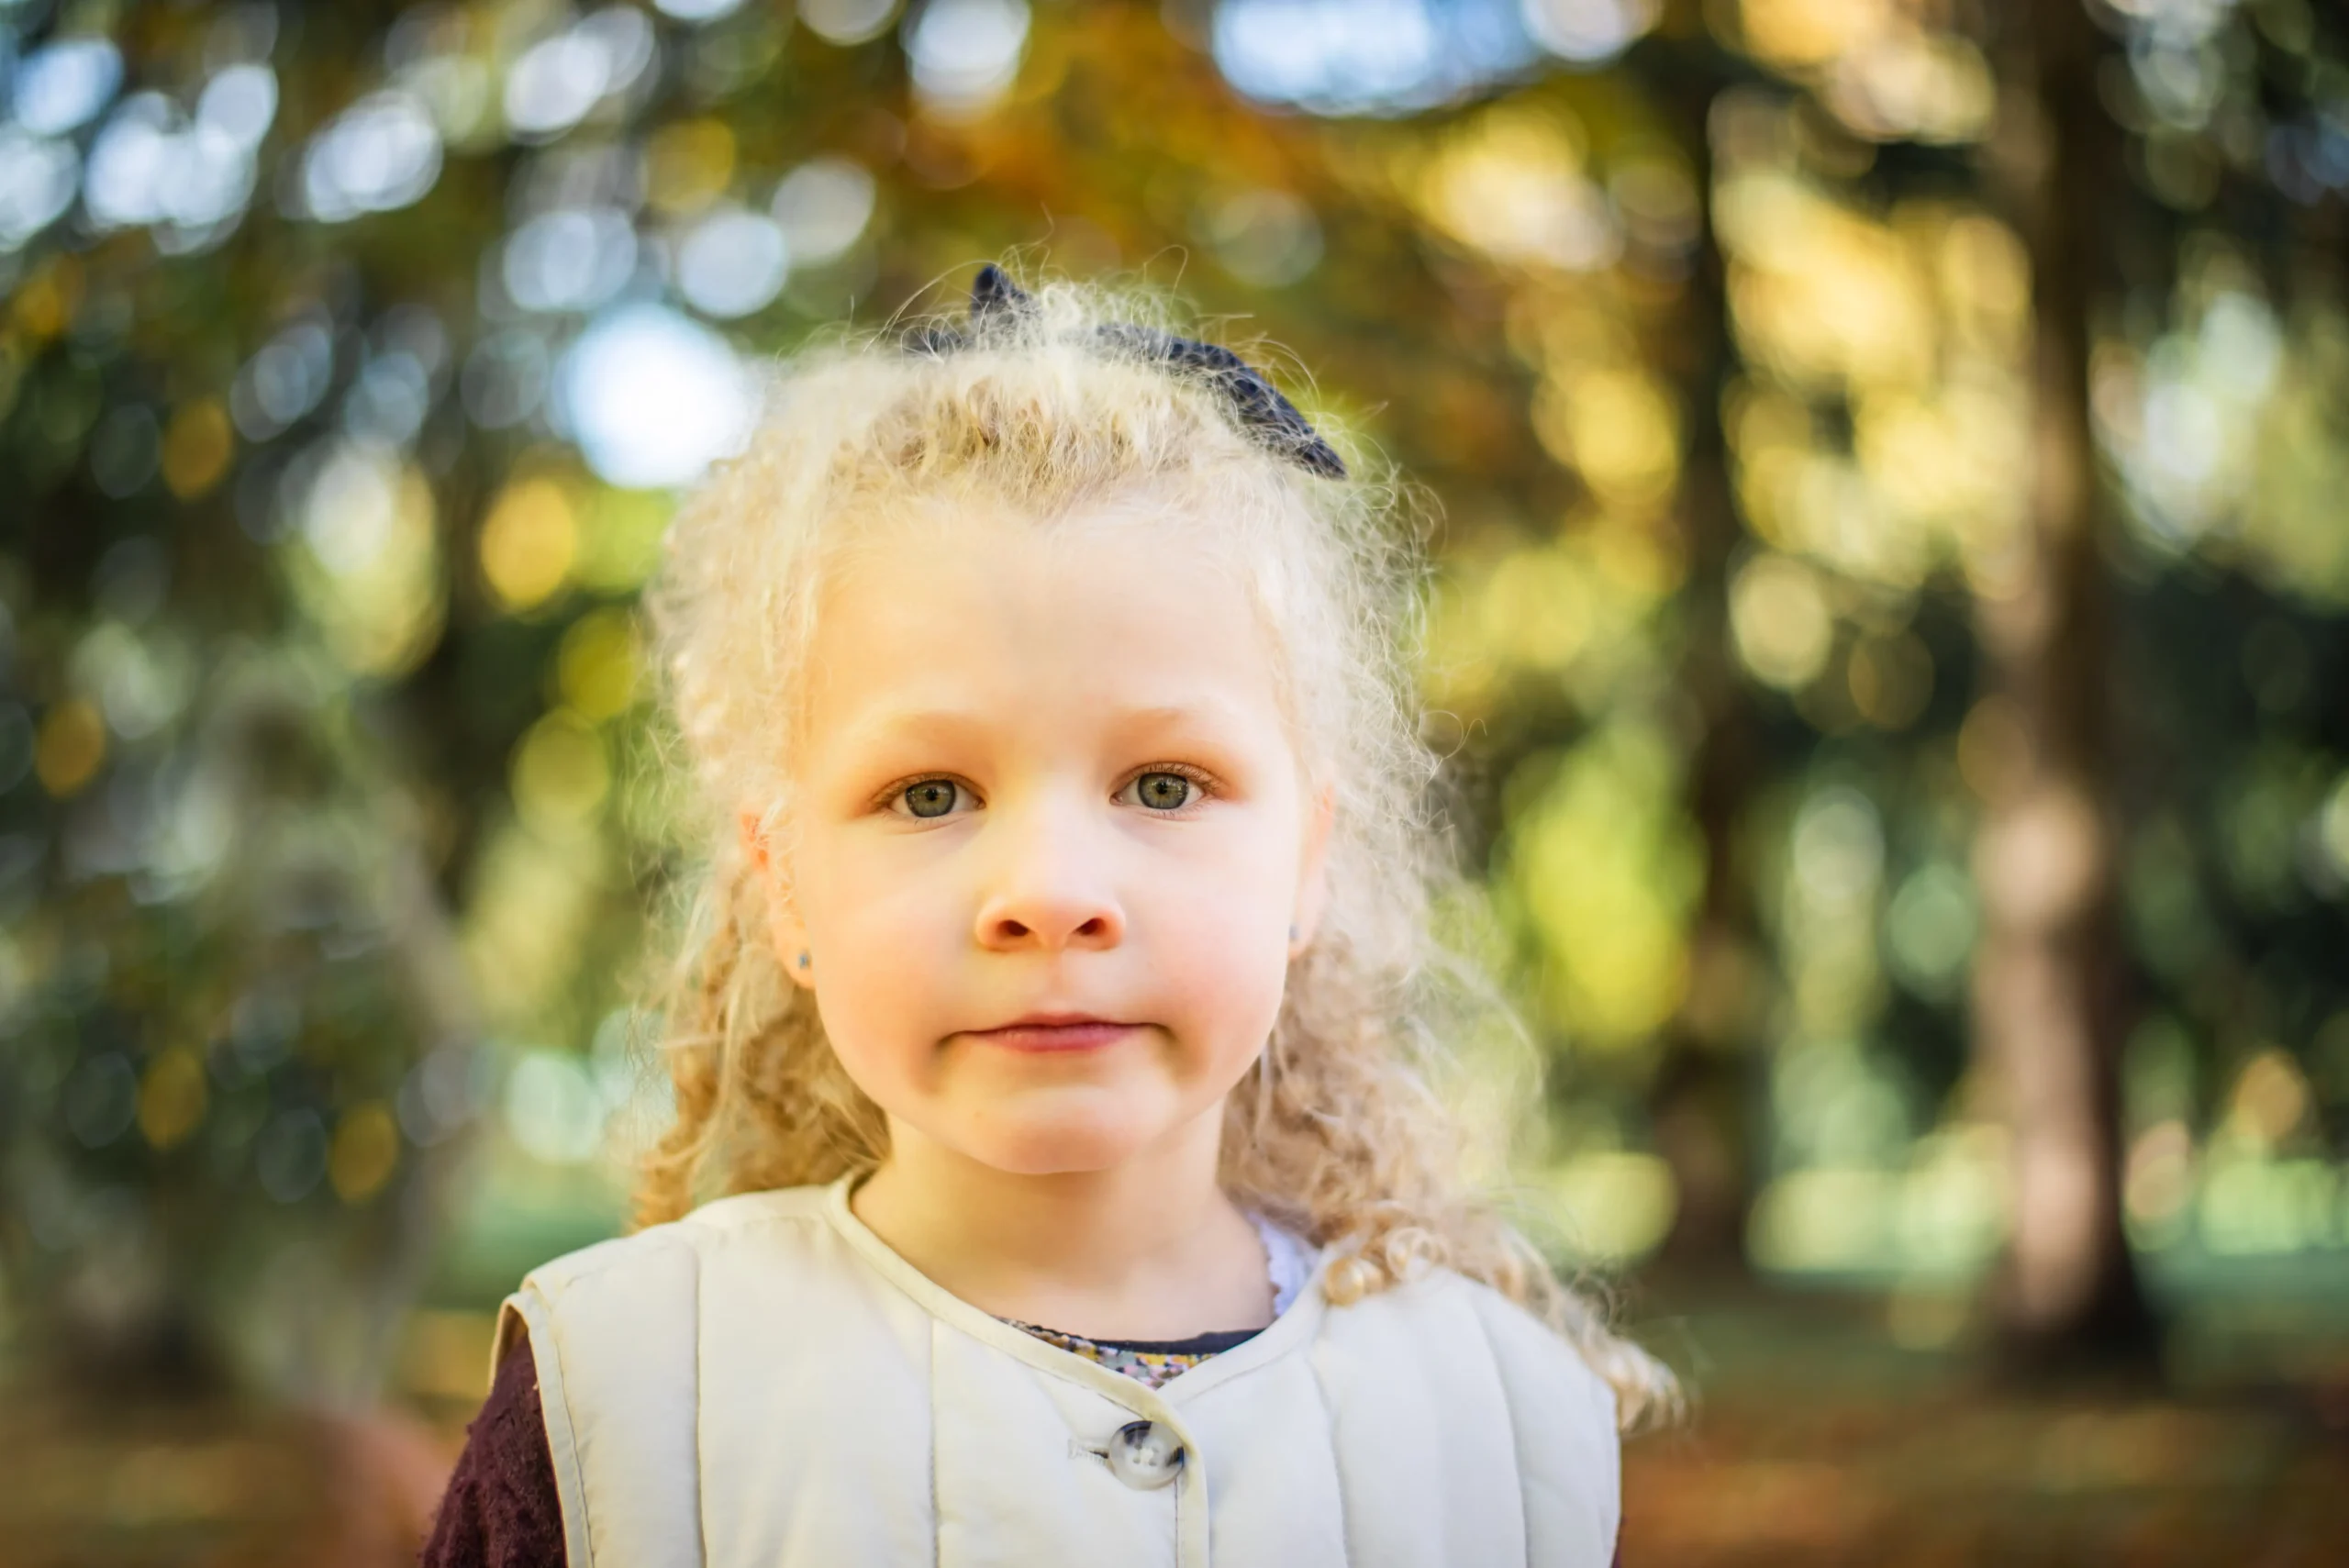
(1890, 636)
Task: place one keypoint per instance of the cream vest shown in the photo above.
(765, 1383)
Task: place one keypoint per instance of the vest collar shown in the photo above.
(1292, 1330)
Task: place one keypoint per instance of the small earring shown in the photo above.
(1292, 933)
(803, 958)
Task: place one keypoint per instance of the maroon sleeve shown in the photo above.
(501, 1509)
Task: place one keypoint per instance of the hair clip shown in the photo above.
(1270, 418)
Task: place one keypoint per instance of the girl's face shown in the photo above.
(1044, 775)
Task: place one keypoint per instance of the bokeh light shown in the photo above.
(654, 399)
(823, 207)
(63, 85)
(381, 154)
(964, 53)
(732, 262)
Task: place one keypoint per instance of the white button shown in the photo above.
(1144, 1455)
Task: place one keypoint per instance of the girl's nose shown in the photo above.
(1049, 889)
(1051, 924)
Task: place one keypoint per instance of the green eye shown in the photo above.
(1163, 792)
(932, 798)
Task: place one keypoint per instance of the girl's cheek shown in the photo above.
(1224, 944)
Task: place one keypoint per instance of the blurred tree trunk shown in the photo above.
(2049, 982)
(1702, 1098)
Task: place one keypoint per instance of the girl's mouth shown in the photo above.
(1039, 1035)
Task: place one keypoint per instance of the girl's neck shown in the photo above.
(1151, 1248)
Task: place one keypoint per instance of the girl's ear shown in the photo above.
(785, 933)
(1313, 867)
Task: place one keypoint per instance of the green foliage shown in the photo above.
(330, 789)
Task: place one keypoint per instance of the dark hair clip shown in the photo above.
(1268, 416)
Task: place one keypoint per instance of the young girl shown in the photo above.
(1052, 1021)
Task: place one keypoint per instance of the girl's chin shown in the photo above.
(1057, 1153)
(1060, 1141)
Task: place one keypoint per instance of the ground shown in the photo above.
(1817, 1441)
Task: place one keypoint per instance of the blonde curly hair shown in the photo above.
(1336, 1129)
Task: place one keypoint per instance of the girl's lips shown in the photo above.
(1087, 1036)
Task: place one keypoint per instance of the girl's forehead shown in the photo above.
(986, 563)
(1146, 518)
(990, 611)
